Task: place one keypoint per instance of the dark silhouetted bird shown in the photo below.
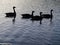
(11, 14)
(37, 18)
(27, 15)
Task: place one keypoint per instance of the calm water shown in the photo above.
(26, 32)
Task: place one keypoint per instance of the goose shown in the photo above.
(27, 15)
(11, 14)
(37, 18)
(48, 16)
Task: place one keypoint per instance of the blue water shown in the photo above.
(26, 32)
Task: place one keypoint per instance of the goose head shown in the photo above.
(41, 13)
(51, 10)
(33, 11)
(14, 7)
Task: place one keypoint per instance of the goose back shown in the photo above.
(46, 16)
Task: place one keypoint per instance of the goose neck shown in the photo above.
(32, 13)
(51, 12)
(14, 10)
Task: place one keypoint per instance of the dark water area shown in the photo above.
(26, 32)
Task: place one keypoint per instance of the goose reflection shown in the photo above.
(13, 20)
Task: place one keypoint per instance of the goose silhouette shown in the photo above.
(27, 15)
(11, 14)
(47, 16)
(37, 18)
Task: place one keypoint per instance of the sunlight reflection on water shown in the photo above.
(24, 32)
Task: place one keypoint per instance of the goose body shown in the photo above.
(37, 17)
(27, 15)
(47, 16)
(11, 14)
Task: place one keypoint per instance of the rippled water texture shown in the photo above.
(26, 32)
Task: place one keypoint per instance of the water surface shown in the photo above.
(24, 32)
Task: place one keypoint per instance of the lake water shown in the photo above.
(26, 32)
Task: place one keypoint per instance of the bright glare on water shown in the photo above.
(26, 32)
